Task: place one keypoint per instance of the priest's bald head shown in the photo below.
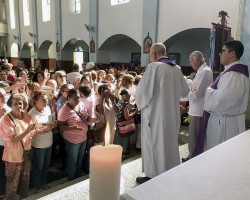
(157, 51)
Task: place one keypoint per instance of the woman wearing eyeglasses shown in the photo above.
(60, 78)
(18, 130)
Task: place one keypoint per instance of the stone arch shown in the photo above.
(118, 48)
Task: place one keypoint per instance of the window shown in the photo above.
(78, 56)
(77, 6)
(26, 12)
(46, 10)
(116, 2)
(12, 15)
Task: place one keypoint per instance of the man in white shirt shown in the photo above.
(201, 81)
(75, 73)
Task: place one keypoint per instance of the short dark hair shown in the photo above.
(102, 88)
(35, 76)
(5, 67)
(72, 93)
(236, 46)
(75, 66)
(124, 92)
(85, 90)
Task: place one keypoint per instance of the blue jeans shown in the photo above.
(75, 153)
(41, 162)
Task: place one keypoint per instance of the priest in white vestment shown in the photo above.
(158, 97)
(228, 103)
(201, 81)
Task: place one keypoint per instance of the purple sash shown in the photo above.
(243, 69)
(167, 61)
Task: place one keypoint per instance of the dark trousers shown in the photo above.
(2, 173)
(194, 126)
(41, 162)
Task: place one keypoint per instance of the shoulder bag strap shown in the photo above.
(77, 114)
(11, 118)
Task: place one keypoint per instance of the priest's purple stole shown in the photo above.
(199, 148)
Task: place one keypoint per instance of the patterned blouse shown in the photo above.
(13, 151)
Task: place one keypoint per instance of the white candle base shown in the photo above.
(105, 172)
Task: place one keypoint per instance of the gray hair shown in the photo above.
(159, 49)
(58, 73)
(198, 55)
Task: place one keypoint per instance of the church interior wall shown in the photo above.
(126, 19)
(46, 30)
(73, 24)
(103, 56)
(176, 16)
(121, 19)
(120, 53)
(187, 42)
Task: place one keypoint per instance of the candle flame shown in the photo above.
(107, 135)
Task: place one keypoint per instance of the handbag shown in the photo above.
(27, 154)
(126, 128)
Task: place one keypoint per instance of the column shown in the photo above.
(245, 31)
(149, 26)
(93, 23)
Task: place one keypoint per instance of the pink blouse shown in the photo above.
(13, 151)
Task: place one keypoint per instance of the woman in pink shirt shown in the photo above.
(72, 122)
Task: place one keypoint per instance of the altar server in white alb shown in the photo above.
(158, 97)
(201, 81)
(226, 100)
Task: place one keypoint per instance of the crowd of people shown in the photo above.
(42, 112)
(59, 115)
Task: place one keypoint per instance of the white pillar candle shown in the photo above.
(105, 171)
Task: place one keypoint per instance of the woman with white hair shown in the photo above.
(60, 78)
